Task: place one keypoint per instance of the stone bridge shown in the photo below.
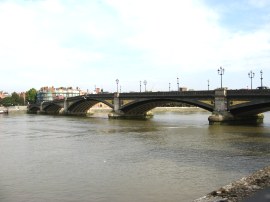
(226, 106)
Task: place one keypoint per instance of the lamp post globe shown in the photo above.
(261, 78)
(221, 72)
(177, 84)
(145, 82)
(117, 82)
(251, 76)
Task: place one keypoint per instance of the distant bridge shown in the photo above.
(225, 105)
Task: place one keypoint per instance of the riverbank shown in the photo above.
(255, 187)
(14, 109)
(23, 109)
(178, 109)
(157, 109)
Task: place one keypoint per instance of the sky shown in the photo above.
(91, 43)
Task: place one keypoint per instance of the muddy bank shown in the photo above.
(255, 187)
(178, 109)
(157, 109)
(14, 109)
(99, 110)
(17, 109)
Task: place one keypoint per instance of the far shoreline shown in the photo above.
(155, 110)
(14, 109)
(21, 109)
(178, 109)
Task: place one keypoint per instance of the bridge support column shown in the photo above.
(227, 118)
(221, 114)
(65, 109)
(41, 110)
(118, 114)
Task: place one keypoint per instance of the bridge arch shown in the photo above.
(51, 108)
(33, 109)
(251, 108)
(144, 105)
(83, 105)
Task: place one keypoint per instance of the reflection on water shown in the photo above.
(172, 157)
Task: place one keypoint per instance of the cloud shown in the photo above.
(259, 3)
(29, 39)
(188, 34)
(63, 41)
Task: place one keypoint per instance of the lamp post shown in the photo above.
(251, 76)
(177, 84)
(117, 82)
(208, 84)
(169, 87)
(261, 78)
(140, 86)
(221, 72)
(145, 82)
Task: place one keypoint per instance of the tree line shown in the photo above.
(15, 99)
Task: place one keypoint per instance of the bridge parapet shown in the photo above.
(94, 96)
(168, 94)
(248, 92)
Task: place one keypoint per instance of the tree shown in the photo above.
(31, 95)
(8, 101)
(16, 98)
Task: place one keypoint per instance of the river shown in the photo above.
(171, 157)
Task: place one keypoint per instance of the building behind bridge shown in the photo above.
(51, 93)
(4, 94)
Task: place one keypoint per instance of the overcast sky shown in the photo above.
(87, 43)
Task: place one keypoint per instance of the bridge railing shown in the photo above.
(148, 94)
(248, 92)
(168, 94)
(97, 96)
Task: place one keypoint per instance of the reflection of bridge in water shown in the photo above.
(227, 106)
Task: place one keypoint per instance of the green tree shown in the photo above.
(8, 101)
(17, 99)
(31, 95)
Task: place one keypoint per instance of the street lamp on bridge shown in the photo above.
(177, 84)
(117, 82)
(221, 72)
(251, 76)
(169, 87)
(145, 82)
(140, 86)
(261, 78)
(208, 84)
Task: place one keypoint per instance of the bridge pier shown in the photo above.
(221, 115)
(41, 109)
(64, 110)
(223, 119)
(118, 114)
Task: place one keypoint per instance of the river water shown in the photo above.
(171, 157)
